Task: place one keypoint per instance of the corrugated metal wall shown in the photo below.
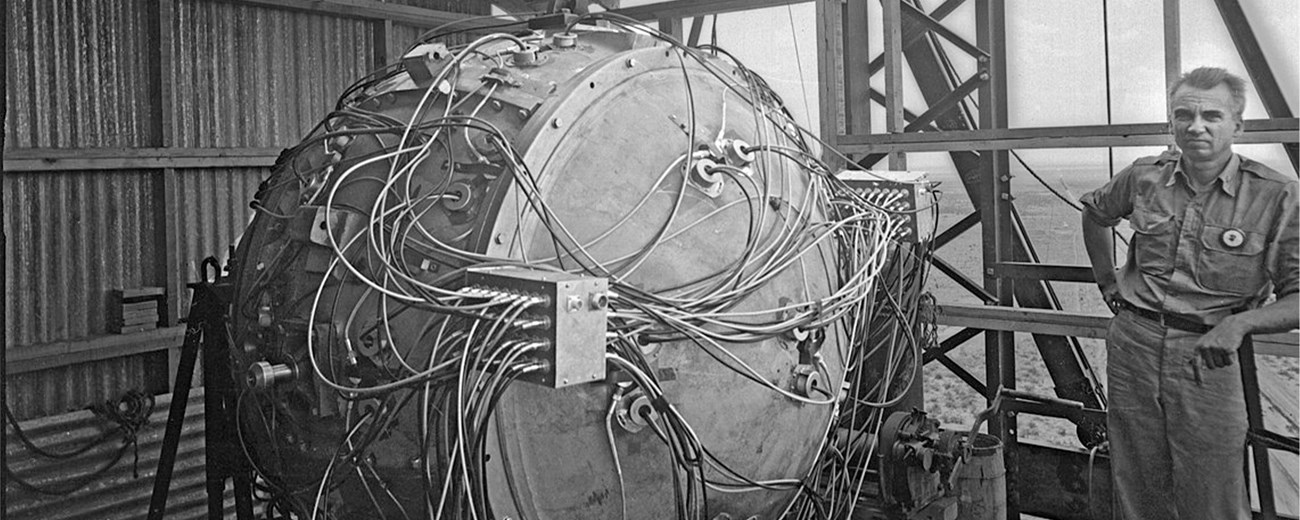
(119, 494)
(214, 211)
(73, 387)
(252, 76)
(80, 76)
(73, 236)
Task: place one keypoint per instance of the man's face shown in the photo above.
(1204, 122)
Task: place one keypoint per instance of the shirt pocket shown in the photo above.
(1233, 270)
(1155, 236)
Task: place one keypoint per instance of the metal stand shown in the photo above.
(224, 459)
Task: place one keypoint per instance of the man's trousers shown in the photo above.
(1177, 440)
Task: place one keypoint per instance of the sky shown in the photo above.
(1056, 64)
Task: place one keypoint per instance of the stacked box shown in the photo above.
(134, 310)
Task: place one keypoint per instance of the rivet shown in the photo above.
(499, 239)
(556, 123)
(631, 63)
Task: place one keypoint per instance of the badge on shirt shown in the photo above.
(1233, 238)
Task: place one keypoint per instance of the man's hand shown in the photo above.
(1110, 295)
(1218, 347)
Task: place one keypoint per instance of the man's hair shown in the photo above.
(1206, 78)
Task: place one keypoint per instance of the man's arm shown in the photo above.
(1219, 346)
(1099, 242)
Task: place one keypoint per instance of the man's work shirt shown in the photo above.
(1205, 254)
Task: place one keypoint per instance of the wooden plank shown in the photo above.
(1040, 321)
(1018, 319)
(672, 27)
(137, 293)
(51, 355)
(1173, 42)
(1143, 134)
(56, 159)
(893, 22)
(693, 8)
(857, 80)
(830, 66)
(1283, 344)
(1037, 271)
(373, 10)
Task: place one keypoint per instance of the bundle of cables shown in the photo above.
(454, 371)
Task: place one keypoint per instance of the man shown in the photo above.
(1213, 233)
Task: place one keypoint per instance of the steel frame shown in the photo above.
(980, 148)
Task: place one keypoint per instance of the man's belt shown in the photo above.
(1173, 321)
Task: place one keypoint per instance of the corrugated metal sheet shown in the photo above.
(59, 390)
(77, 74)
(252, 76)
(119, 494)
(72, 237)
(214, 211)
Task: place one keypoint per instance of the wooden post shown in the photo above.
(894, 123)
(999, 233)
(1173, 43)
(672, 27)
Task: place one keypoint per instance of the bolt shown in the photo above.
(416, 462)
(523, 113)
(1005, 178)
(984, 76)
(496, 105)
(989, 271)
(1006, 196)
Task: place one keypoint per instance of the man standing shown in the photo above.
(1213, 234)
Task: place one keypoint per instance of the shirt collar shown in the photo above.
(1230, 177)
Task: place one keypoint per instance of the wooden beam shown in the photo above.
(894, 124)
(942, 30)
(693, 8)
(1173, 42)
(1261, 75)
(1061, 323)
(165, 190)
(373, 10)
(697, 27)
(61, 159)
(53, 355)
(385, 49)
(672, 27)
(1037, 271)
(1096, 136)
(857, 81)
(830, 64)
